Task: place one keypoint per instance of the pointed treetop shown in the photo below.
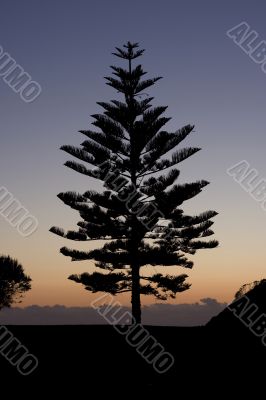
(130, 54)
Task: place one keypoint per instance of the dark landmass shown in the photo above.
(94, 361)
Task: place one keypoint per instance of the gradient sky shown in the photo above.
(208, 81)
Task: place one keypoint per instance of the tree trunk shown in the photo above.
(135, 295)
(135, 268)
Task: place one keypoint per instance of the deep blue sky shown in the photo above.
(208, 81)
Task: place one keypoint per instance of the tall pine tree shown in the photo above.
(137, 213)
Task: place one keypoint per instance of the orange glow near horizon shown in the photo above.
(217, 273)
(50, 285)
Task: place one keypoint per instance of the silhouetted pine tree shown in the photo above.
(137, 215)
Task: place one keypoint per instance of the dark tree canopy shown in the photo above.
(247, 287)
(137, 214)
(13, 281)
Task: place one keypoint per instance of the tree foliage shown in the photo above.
(138, 212)
(13, 281)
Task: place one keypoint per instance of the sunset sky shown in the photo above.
(209, 81)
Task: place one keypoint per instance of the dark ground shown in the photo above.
(94, 361)
(221, 360)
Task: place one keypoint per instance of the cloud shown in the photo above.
(182, 314)
(157, 314)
